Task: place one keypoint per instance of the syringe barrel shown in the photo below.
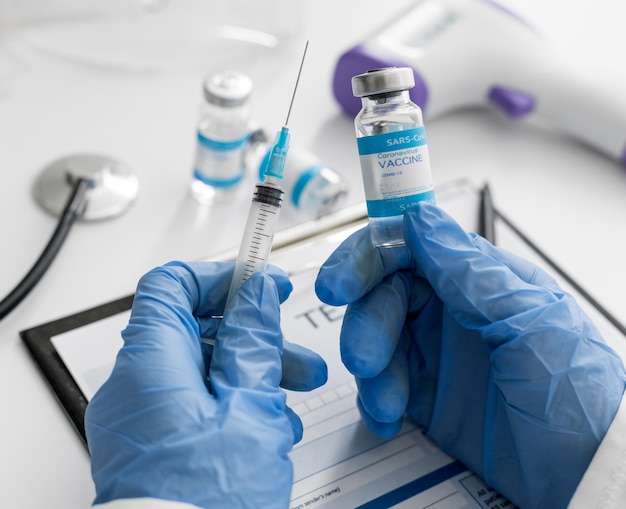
(256, 243)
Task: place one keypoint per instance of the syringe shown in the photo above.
(258, 234)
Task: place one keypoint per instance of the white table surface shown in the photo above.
(571, 200)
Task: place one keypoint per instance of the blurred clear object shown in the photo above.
(153, 35)
(151, 5)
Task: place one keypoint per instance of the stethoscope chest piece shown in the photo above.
(112, 185)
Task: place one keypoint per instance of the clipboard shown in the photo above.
(300, 251)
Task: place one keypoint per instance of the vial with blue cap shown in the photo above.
(223, 133)
(393, 151)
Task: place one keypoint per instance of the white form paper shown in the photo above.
(338, 463)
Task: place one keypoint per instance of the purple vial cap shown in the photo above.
(358, 60)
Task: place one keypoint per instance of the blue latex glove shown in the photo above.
(482, 349)
(155, 430)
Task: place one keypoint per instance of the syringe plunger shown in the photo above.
(258, 234)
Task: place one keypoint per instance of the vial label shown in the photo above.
(396, 171)
(220, 163)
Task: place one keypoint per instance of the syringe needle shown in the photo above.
(278, 153)
(293, 95)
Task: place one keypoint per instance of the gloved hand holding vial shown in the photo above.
(483, 350)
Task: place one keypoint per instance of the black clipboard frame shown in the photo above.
(38, 340)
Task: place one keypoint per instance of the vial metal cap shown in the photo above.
(380, 81)
(227, 88)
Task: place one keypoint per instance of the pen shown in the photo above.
(487, 215)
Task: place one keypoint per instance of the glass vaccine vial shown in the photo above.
(223, 132)
(392, 149)
(310, 185)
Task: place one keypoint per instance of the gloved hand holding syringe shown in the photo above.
(264, 211)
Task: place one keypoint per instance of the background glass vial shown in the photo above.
(310, 185)
(392, 149)
(223, 134)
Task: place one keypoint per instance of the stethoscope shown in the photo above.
(88, 187)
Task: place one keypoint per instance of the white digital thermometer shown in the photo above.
(466, 53)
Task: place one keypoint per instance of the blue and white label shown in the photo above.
(396, 171)
(220, 163)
